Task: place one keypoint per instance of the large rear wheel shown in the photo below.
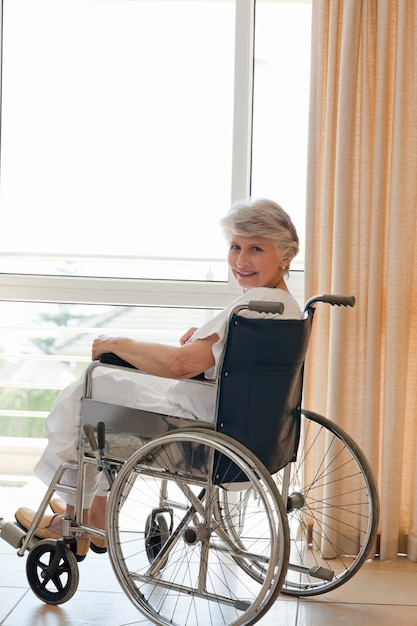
(172, 556)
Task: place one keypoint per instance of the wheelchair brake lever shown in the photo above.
(101, 437)
(89, 433)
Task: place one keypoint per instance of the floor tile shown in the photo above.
(84, 609)
(12, 570)
(283, 613)
(376, 587)
(401, 563)
(9, 599)
(112, 609)
(324, 613)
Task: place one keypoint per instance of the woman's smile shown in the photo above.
(240, 273)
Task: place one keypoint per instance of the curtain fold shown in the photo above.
(361, 239)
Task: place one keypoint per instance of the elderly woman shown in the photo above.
(262, 243)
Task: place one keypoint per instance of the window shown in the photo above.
(117, 136)
(128, 127)
(117, 122)
(280, 118)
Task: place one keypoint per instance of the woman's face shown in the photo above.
(256, 262)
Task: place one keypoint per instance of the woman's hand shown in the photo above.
(100, 346)
(187, 336)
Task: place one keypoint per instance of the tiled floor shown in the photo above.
(379, 594)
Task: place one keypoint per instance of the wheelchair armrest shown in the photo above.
(113, 359)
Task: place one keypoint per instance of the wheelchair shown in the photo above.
(207, 523)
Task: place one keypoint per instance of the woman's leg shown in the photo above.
(97, 512)
(94, 516)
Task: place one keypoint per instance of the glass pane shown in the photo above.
(44, 347)
(116, 137)
(281, 101)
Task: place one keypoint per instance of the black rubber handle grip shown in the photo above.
(266, 307)
(89, 433)
(101, 435)
(339, 300)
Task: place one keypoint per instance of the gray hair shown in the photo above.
(262, 218)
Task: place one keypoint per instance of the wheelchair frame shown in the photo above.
(201, 519)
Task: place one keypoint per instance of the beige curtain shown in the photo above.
(362, 240)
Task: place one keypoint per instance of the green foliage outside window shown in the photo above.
(41, 400)
(15, 401)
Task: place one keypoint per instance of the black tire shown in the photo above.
(52, 572)
(156, 534)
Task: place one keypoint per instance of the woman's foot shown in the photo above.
(50, 527)
(99, 546)
(58, 505)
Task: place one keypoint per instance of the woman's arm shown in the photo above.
(185, 361)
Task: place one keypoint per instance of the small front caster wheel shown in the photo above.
(156, 534)
(52, 571)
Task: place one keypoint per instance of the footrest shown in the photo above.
(321, 572)
(14, 534)
(316, 572)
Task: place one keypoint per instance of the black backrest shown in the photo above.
(259, 400)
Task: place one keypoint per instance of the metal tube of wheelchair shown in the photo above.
(89, 433)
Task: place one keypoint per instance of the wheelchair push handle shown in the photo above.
(332, 299)
(266, 307)
(339, 300)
